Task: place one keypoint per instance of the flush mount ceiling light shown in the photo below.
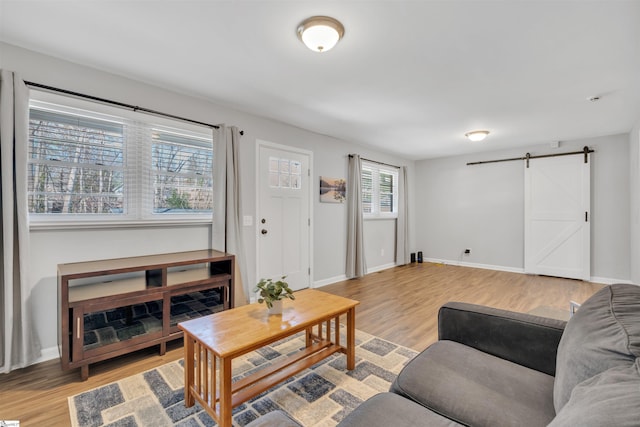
(477, 135)
(320, 33)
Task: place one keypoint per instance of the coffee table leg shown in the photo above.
(188, 371)
(351, 338)
(308, 337)
(225, 392)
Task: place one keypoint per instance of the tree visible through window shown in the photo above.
(86, 164)
(76, 164)
(182, 174)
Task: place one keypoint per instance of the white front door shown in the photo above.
(284, 220)
(557, 224)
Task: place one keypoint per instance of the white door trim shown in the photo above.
(267, 144)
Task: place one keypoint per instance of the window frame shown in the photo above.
(377, 169)
(139, 185)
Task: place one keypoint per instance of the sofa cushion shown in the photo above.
(611, 398)
(475, 388)
(388, 409)
(604, 333)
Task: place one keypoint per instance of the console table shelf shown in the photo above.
(112, 307)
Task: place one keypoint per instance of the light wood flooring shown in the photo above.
(398, 304)
(401, 304)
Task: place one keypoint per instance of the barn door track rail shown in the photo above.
(585, 151)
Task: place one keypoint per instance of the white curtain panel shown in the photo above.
(402, 230)
(356, 265)
(20, 346)
(227, 229)
(218, 237)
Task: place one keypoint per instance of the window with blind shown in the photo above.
(379, 191)
(76, 164)
(88, 165)
(182, 173)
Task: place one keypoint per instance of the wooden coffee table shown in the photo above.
(212, 342)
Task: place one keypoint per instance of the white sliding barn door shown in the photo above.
(557, 217)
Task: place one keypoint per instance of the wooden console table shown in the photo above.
(212, 342)
(116, 306)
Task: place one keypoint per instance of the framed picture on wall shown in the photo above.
(332, 190)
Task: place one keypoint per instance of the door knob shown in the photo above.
(264, 231)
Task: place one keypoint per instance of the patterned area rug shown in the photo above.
(320, 396)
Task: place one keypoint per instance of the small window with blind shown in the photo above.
(182, 173)
(88, 165)
(379, 185)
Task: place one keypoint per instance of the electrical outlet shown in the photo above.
(382, 252)
(467, 251)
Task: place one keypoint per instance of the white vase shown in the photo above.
(276, 307)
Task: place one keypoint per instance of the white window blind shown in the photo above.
(386, 187)
(367, 190)
(75, 164)
(182, 173)
(379, 191)
(87, 165)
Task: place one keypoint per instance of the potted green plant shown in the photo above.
(272, 293)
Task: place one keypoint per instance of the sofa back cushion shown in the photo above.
(611, 398)
(604, 333)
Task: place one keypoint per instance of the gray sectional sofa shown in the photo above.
(499, 368)
(495, 368)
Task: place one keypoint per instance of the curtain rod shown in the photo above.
(375, 161)
(120, 104)
(528, 156)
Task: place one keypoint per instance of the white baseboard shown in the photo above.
(594, 279)
(476, 265)
(329, 281)
(380, 268)
(342, 277)
(609, 281)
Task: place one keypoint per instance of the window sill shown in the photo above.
(88, 224)
(378, 218)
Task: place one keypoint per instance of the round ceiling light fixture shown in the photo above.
(320, 33)
(477, 135)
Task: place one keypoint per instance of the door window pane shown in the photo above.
(285, 173)
(274, 164)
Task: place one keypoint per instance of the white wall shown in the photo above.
(482, 207)
(610, 201)
(477, 207)
(380, 243)
(634, 187)
(51, 247)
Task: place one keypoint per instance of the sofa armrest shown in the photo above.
(525, 339)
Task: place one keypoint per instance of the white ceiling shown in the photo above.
(409, 77)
